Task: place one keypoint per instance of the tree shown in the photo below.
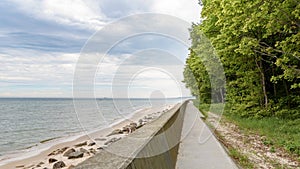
(258, 43)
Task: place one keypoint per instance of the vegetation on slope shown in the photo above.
(258, 44)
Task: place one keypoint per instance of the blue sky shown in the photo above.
(41, 40)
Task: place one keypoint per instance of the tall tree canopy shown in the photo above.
(258, 43)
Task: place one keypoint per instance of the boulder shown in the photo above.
(58, 151)
(130, 128)
(93, 151)
(52, 153)
(64, 149)
(52, 160)
(76, 154)
(126, 129)
(68, 152)
(83, 150)
(20, 166)
(116, 131)
(40, 164)
(102, 147)
(92, 143)
(81, 144)
(139, 126)
(59, 164)
(133, 126)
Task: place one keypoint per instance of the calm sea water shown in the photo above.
(27, 122)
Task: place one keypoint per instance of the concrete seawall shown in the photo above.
(161, 151)
(156, 145)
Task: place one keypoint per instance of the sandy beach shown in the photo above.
(70, 151)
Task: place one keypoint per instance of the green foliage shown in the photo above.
(196, 78)
(204, 73)
(258, 43)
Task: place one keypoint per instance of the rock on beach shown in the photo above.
(59, 164)
(76, 154)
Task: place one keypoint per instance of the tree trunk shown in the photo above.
(287, 92)
(263, 82)
(222, 96)
(274, 84)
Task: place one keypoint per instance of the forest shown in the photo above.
(258, 45)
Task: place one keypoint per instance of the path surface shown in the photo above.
(199, 147)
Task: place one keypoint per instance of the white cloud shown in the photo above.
(94, 14)
(152, 80)
(188, 10)
(82, 13)
(44, 69)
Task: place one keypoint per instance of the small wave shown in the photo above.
(49, 139)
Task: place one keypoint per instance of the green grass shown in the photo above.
(242, 159)
(279, 132)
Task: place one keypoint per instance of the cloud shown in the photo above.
(85, 14)
(35, 74)
(94, 14)
(115, 9)
(45, 70)
(16, 41)
(40, 43)
(186, 10)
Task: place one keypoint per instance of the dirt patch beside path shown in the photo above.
(251, 145)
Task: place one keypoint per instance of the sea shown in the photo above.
(29, 122)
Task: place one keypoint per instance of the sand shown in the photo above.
(89, 143)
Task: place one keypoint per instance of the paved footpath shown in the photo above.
(199, 149)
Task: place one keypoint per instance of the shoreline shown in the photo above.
(89, 142)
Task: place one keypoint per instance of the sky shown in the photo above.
(41, 42)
